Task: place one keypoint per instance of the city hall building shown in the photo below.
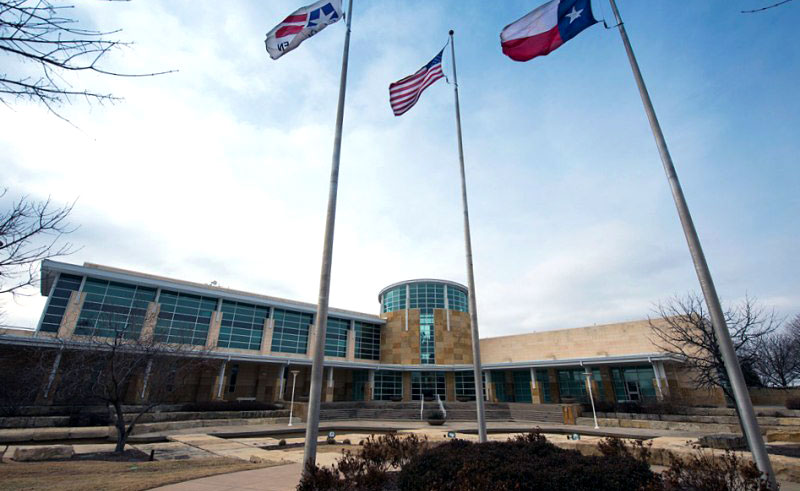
(418, 344)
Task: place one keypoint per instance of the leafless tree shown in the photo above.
(778, 359)
(29, 232)
(683, 328)
(43, 35)
(117, 365)
(767, 7)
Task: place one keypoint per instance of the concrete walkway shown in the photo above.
(279, 478)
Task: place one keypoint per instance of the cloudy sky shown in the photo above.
(220, 170)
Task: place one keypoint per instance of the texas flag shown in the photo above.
(301, 25)
(546, 28)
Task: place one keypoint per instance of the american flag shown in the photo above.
(404, 93)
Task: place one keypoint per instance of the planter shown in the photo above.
(436, 422)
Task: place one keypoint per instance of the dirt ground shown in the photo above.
(113, 476)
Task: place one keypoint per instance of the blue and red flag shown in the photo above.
(301, 25)
(546, 28)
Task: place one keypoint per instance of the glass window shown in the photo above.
(572, 383)
(522, 386)
(465, 385)
(388, 384)
(427, 340)
(360, 381)
(290, 334)
(394, 299)
(336, 337)
(233, 377)
(111, 308)
(65, 285)
(368, 341)
(457, 299)
(427, 384)
(634, 383)
(242, 325)
(499, 381)
(184, 318)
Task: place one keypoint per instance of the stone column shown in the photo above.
(150, 319)
(219, 382)
(278, 396)
(555, 393)
(661, 383)
(536, 398)
(608, 383)
(406, 386)
(369, 393)
(71, 313)
(46, 396)
(266, 337)
(212, 338)
(450, 386)
(329, 386)
(312, 340)
(351, 341)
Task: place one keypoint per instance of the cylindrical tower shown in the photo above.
(427, 323)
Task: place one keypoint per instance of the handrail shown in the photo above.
(421, 407)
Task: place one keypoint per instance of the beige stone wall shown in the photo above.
(453, 347)
(397, 344)
(596, 341)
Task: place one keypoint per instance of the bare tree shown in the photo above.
(683, 328)
(767, 7)
(117, 365)
(29, 232)
(778, 359)
(42, 34)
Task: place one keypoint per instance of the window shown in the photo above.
(242, 325)
(633, 383)
(360, 381)
(522, 386)
(499, 381)
(233, 377)
(457, 299)
(427, 340)
(184, 318)
(572, 383)
(427, 384)
(336, 337)
(394, 299)
(388, 385)
(65, 285)
(426, 297)
(368, 341)
(465, 385)
(290, 334)
(111, 308)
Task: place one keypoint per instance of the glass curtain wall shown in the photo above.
(242, 325)
(388, 385)
(427, 384)
(111, 308)
(65, 285)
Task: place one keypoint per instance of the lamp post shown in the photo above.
(291, 405)
(588, 374)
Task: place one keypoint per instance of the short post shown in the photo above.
(588, 374)
(291, 405)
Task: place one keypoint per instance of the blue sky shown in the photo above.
(220, 171)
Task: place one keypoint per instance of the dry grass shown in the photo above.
(114, 476)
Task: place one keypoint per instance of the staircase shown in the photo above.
(456, 411)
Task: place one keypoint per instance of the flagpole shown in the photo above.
(732, 367)
(312, 423)
(473, 306)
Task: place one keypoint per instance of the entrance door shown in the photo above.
(360, 379)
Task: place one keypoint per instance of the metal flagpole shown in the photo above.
(312, 425)
(473, 307)
(734, 371)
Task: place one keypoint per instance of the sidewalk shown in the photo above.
(279, 478)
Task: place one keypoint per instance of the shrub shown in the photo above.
(793, 403)
(368, 469)
(705, 472)
(228, 406)
(529, 460)
(282, 443)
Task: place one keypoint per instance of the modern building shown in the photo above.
(418, 345)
